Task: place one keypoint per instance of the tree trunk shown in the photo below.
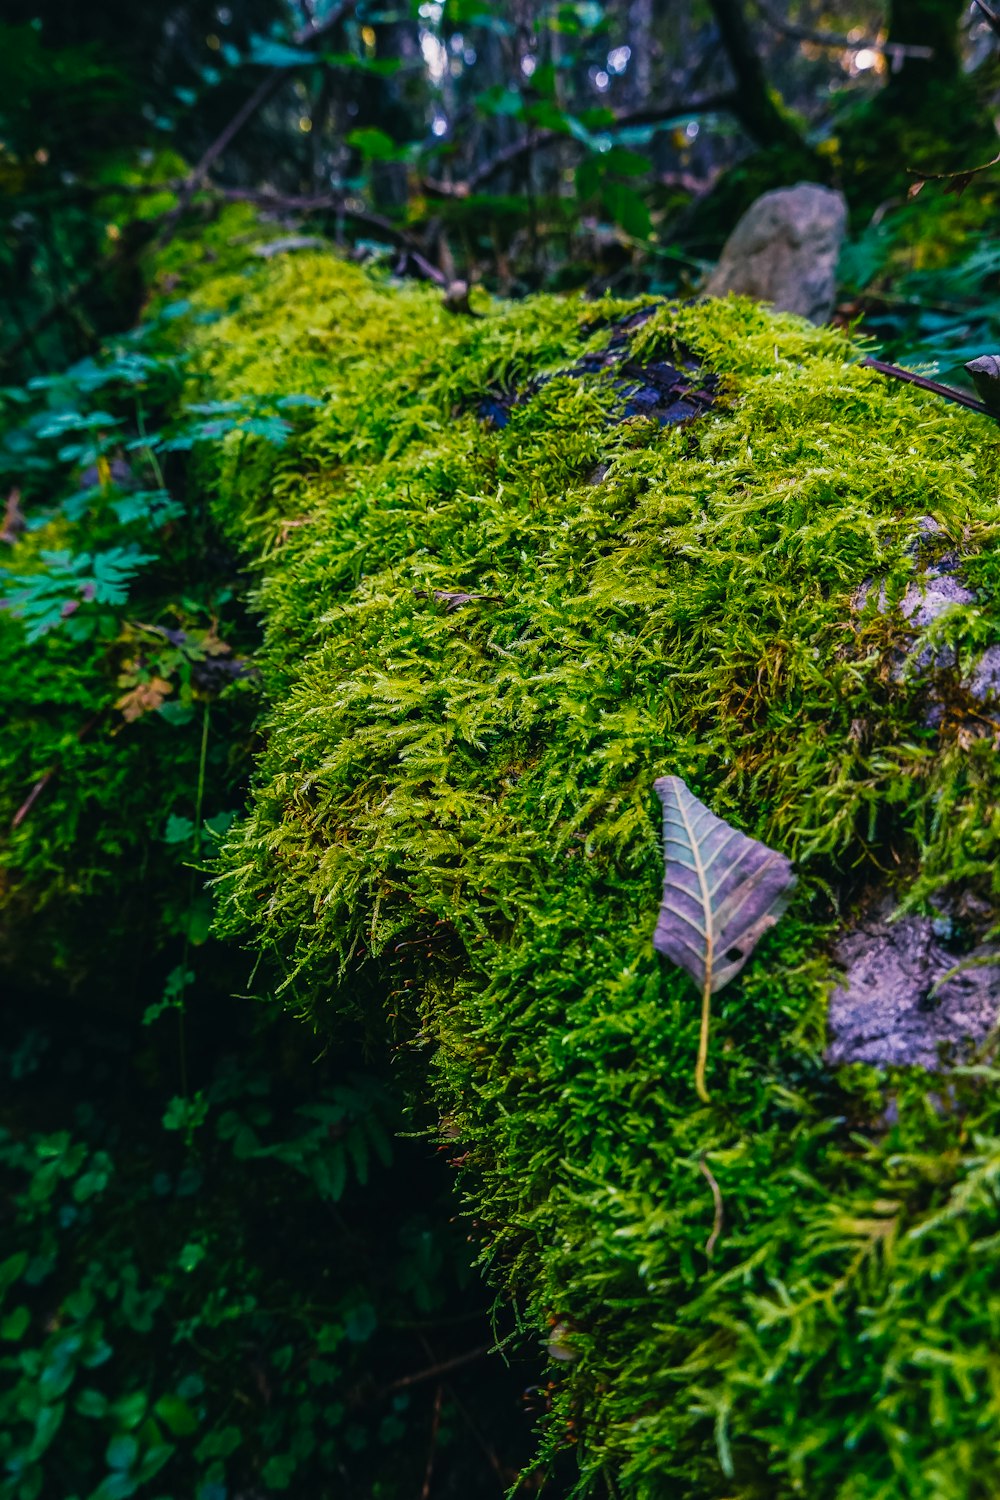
(923, 23)
(927, 117)
(756, 105)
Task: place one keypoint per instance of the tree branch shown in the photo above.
(333, 203)
(799, 33)
(754, 105)
(264, 90)
(508, 155)
(991, 15)
(959, 180)
(438, 1369)
(921, 381)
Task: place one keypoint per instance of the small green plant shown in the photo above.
(139, 1294)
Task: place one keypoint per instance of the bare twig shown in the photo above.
(947, 391)
(13, 518)
(991, 15)
(43, 781)
(312, 203)
(961, 179)
(435, 1370)
(892, 50)
(488, 1451)
(249, 107)
(264, 90)
(713, 1238)
(425, 1489)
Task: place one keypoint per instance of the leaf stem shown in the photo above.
(195, 854)
(706, 1013)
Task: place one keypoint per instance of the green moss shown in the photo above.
(454, 813)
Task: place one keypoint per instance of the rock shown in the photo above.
(784, 251)
(983, 681)
(934, 591)
(670, 394)
(889, 1010)
(926, 601)
(985, 372)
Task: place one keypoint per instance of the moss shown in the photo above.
(454, 814)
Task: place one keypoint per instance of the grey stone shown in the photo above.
(923, 538)
(935, 590)
(925, 601)
(888, 1010)
(985, 372)
(784, 251)
(983, 681)
(922, 604)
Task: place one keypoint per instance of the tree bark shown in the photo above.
(755, 104)
(923, 23)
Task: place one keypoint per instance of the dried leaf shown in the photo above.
(455, 599)
(721, 892)
(143, 698)
(13, 518)
(212, 644)
(959, 182)
(985, 372)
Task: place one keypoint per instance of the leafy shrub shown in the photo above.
(200, 1311)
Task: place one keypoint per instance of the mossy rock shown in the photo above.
(453, 823)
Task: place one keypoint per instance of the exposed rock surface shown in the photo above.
(890, 1010)
(936, 589)
(667, 393)
(784, 251)
(984, 680)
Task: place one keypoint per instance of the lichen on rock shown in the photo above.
(906, 999)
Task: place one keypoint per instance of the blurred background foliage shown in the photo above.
(519, 144)
(224, 1271)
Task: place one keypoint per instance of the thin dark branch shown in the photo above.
(834, 39)
(965, 173)
(991, 15)
(425, 1491)
(488, 1451)
(756, 104)
(510, 155)
(264, 90)
(698, 104)
(441, 1368)
(249, 107)
(947, 391)
(316, 29)
(43, 781)
(311, 203)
